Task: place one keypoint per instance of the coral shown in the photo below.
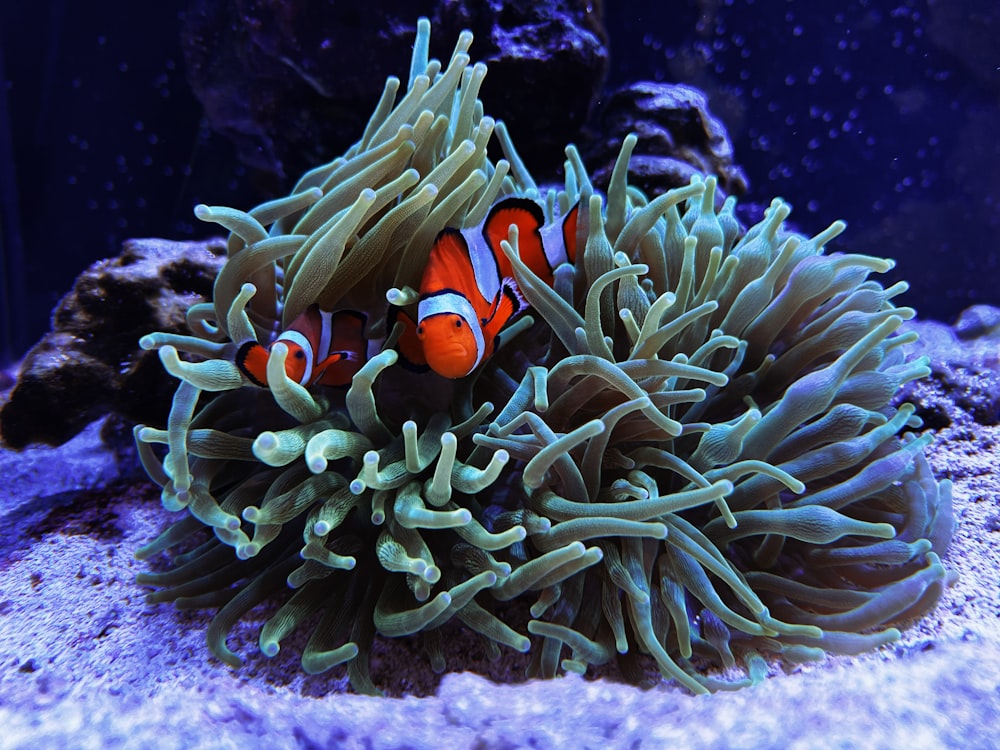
(687, 450)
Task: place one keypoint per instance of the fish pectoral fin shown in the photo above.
(509, 286)
(338, 369)
(409, 345)
(508, 303)
(337, 340)
(251, 359)
(333, 358)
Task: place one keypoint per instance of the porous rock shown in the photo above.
(292, 83)
(547, 63)
(677, 137)
(90, 362)
(964, 384)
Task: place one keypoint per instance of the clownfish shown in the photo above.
(468, 293)
(324, 348)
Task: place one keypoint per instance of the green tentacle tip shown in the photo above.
(323, 661)
(269, 648)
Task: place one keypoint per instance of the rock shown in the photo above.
(678, 137)
(964, 384)
(292, 83)
(547, 63)
(90, 363)
(978, 321)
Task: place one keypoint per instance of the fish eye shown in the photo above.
(458, 322)
(420, 330)
(300, 354)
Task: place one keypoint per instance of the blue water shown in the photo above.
(884, 114)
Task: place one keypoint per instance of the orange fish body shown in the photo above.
(468, 294)
(324, 348)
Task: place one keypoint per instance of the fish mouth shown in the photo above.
(451, 361)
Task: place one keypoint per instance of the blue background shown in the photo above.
(884, 114)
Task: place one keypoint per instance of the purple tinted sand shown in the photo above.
(85, 662)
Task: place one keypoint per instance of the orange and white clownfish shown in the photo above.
(324, 348)
(468, 293)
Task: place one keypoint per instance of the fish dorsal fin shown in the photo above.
(449, 265)
(309, 322)
(529, 218)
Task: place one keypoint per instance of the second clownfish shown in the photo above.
(468, 293)
(324, 348)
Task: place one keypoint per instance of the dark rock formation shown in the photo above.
(547, 63)
(90, 363)
(678, 137)
(292, 83)
(977, 322)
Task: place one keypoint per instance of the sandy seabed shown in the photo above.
(86, 663)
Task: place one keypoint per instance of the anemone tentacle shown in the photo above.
(692, 453)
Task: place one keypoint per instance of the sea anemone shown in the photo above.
(687, 450)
